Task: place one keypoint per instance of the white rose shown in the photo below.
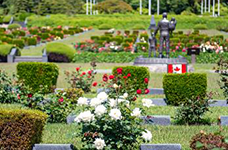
(115, 86)
(99, 143)
(100, 110)
(136, 112)
(112, 102)
(147, 135)
(82, 101)
(95, 102)
(86, 116)
(125, 95)
(102, 96)
(115, 114)
(147, 103)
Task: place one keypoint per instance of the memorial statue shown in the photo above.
(165, 26)
(152, 38)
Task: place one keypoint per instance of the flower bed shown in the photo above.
(22, 37)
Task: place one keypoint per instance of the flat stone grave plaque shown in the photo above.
(160, 147)
(53, 147)
(224, 120)
(157, 120)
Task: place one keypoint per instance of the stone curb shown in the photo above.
(53, 147)
(160, 147)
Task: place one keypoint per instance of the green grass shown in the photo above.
(155, 80)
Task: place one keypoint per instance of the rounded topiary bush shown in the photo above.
(201, 27)
(7, 19)
(14, 26)
(59, 52)
(104, 27)
(5, 50)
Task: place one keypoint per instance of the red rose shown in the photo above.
(18, 96)
(90, 72)
(146, 80)
(119, 70)
(111, 77)
(83, 73)
(128, 75)
(29, 95)
(61, 100)
(77, 69)
(95, 84)
(105, 78)
(134, 99)
(139, 91)
(147, 91)
(125, 77)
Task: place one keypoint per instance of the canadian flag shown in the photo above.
(177, 68)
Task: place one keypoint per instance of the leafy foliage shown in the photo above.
(21, 128)
(179, 88)
(137, 75)
(205, 141)
(192, 112)
(80, 79)
(114, 6)
(45, 75)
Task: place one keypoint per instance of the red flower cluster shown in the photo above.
(77, 69)
(94, 84)
(29, 95)
(119, 70)
(111, 77)
(139, 91)
(146, 80)
(61, 100)
(105, 78)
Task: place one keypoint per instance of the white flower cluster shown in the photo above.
(147, 136)
(147, 103)
(99, 143)
(85, 116)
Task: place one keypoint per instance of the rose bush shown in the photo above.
(80, 79)
(112, 121)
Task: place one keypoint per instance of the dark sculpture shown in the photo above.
(152, 38)
(165, 26)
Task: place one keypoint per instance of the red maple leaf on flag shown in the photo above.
(177, 69)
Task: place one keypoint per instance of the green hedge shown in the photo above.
(36, 74)
(19, 43)
(179, 88)
(14, 26)
(5, 49)
(21, 128)
(60, 48)
(138, 74)
(121, 57)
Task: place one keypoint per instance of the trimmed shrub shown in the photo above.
(14, 26)
(104, 27)
(32, 41)
(94, 38)
(118, 40)
(129, 40)
(21, 128)
(64, 52)
(200, 27)
(142, 46)
(179, 88)
(44, 36)
(145, 36)
(19, 43)
(34, 31)
(7, 19)
(59, 34)
(7, 40)
(5, 49)
(138, 75)
(37, 75)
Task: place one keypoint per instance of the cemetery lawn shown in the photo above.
(155, 80)
(63, 133)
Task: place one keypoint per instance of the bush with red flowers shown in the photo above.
(82, 79)
(137, 76)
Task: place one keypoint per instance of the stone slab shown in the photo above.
(160, 147)
(224, 120)
(219, 103)
(53, 147)
(159, 102)
(157, 120)
(70, 119)
(156, 91)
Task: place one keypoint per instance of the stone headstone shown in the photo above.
(220, 103)
(157, 120)
(159, 102)
(70, 118)
(224, 120)
(160, 147)
(156, 91)
(53, 147)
